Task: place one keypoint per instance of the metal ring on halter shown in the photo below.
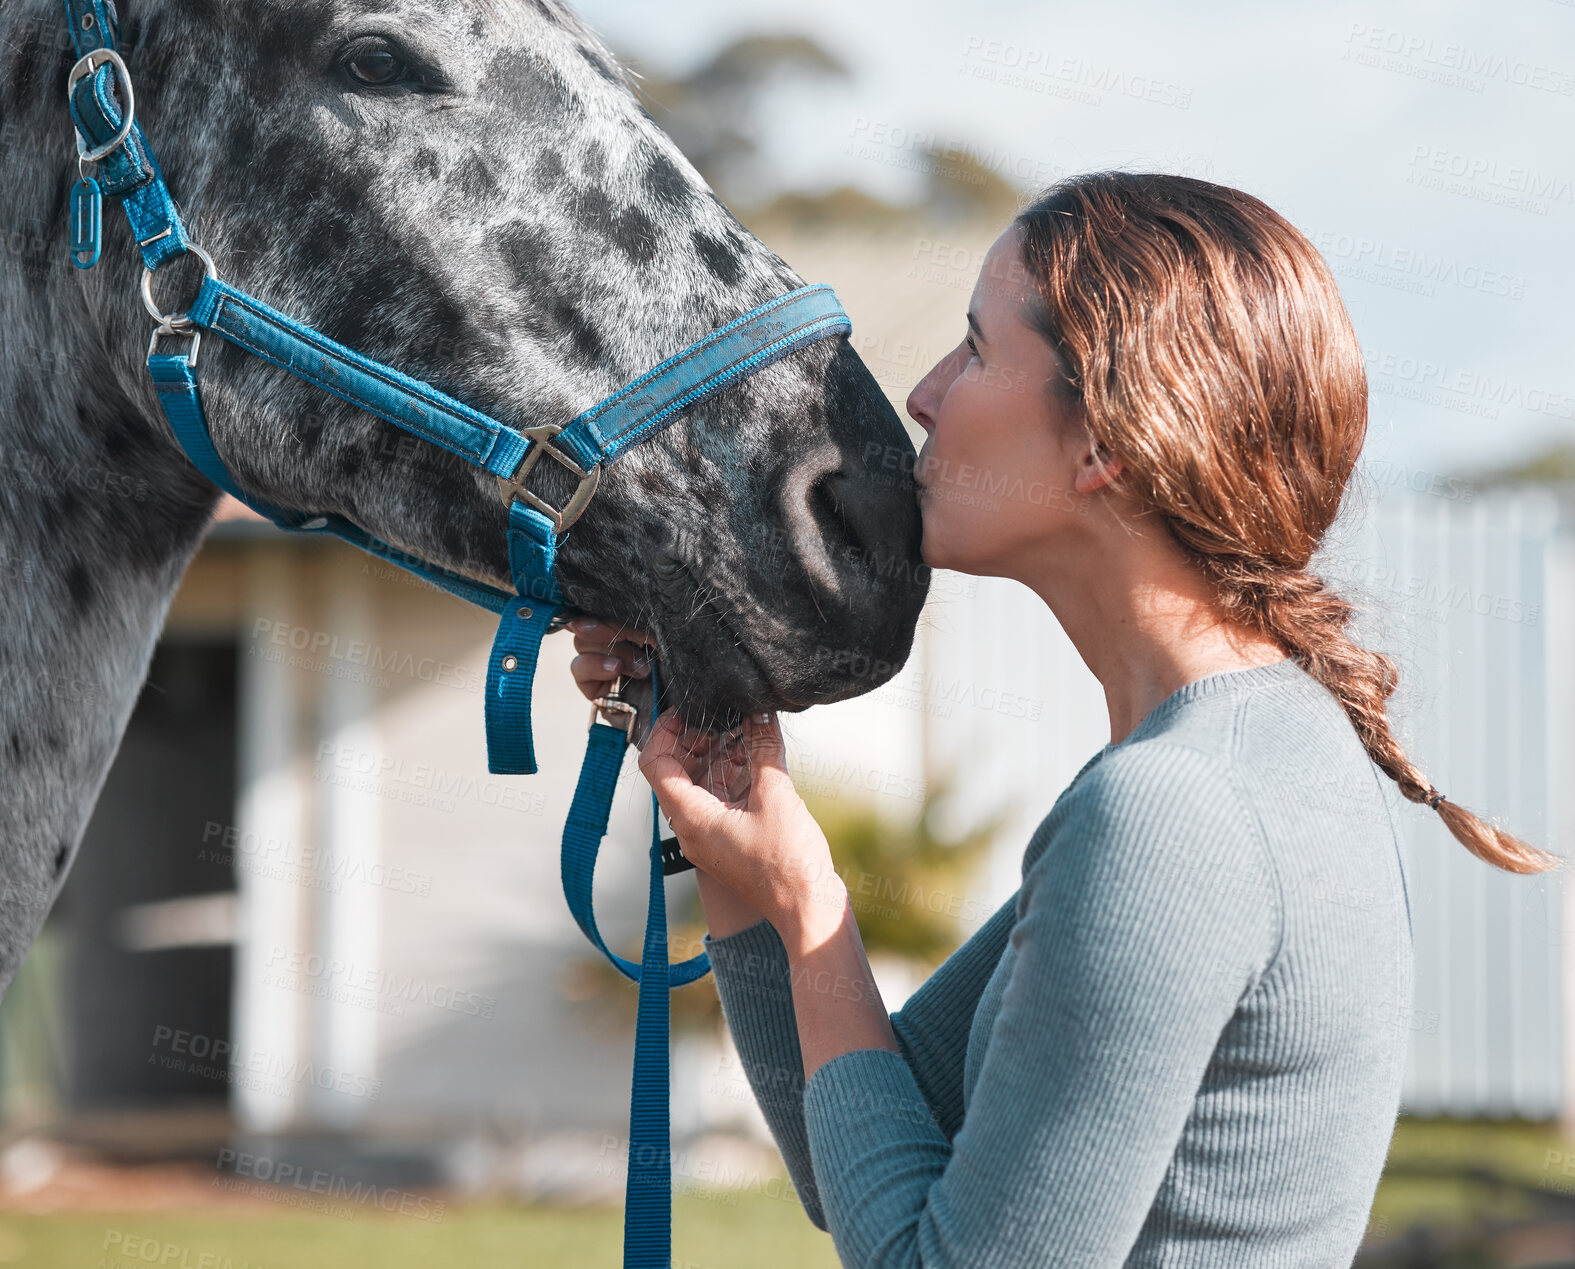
(86, 65)
(191, 330)
(175, 321)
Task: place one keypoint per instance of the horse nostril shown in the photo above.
(866, 514)
(810, 515)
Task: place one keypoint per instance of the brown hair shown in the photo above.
(1208, 349)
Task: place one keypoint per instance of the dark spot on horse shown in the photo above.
(122, 439)
(426, 162)
(350, 462)
(318, 240)
(549, 170)
(452, 534)
(79, 585)
(635, 233)
(528, 86)
(241, 141)
(528, 255)
(600, 64)
(547, 12)
(65, 506)
(718, 256)
(582, 335)
(474, 178)
(29, 410)
(58, 208)
(277, 156)
(62, 859)
(305, 431)
(349, 195)
(665, 183)
(283, 32)
(630, 229)
(13, 746)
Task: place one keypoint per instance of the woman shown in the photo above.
(1181, 1041)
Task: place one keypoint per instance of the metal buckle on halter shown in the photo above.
(85, 66)
(514, 486)
(190, 330)
(615, 702)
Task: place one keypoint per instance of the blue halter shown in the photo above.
(109, 137)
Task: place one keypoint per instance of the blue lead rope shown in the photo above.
(127, 171)
(647, 1212)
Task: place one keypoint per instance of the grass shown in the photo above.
(728, 1230)
(1532, 1154)
(756, 1232)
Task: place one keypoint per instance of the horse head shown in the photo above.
(473, 193)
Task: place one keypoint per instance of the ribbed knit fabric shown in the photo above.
(1180, 1043)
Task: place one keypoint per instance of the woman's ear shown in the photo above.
(1096, 468)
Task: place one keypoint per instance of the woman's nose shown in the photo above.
(926, 397)
(918, 413)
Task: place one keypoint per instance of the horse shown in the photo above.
(471, 191)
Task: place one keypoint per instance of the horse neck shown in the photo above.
(99, 516)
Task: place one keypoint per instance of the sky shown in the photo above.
(1427, 150)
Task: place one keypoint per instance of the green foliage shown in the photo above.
(906, 880)
(907, 885)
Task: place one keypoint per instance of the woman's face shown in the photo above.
(1000, 472)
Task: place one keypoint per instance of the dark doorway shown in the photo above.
(147, 999)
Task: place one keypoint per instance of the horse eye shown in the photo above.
(377, 66)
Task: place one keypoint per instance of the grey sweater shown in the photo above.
(1180, 1042)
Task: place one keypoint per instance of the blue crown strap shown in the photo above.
(130, 172)
(97, 116)
(417, 407)
(746, 344)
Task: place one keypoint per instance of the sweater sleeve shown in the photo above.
(753, 982)
(1151, 911)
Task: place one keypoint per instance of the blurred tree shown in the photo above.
(1554, 465)
(715, 114)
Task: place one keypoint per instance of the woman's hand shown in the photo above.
(741, 822)
(606, 650)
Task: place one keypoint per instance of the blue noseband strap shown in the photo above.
(732, 352)
(127, 170)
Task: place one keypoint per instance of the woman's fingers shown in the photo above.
(670, 763)
(594, 673)
(592, 631)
